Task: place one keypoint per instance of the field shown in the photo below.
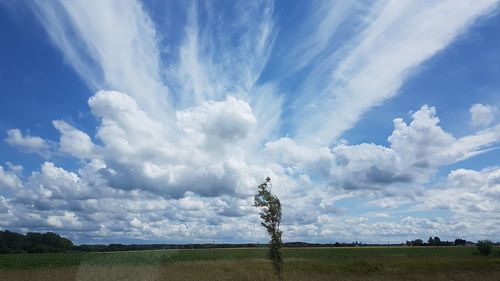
(377, 263)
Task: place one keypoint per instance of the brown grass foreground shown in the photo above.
(371, 268)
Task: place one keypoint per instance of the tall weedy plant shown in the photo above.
(271, 218)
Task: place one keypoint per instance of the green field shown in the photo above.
(377, 263)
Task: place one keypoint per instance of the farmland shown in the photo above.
(365, 263)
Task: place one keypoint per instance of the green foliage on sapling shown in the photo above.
(271, 218)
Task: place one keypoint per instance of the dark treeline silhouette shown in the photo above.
(49, 242)
(11, 242)
(137, 247)
(435, 241)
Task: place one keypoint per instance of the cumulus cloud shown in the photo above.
(482, 114)
(217, 123)
(53, 182)
(204, 179)
(67, 219)
(128, 133)
(201, 153)
(415, 152)
(9, 179)
(368, 166)
(74, 142)
(27, 143)
(468, 193)
(471, 197)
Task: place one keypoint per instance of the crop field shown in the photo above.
(364, 263)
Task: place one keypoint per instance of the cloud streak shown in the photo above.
(111, 44)
(217, 59)
(397, 37)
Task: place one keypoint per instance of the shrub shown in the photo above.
(484, 247)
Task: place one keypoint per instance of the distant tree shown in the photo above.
(459, 241)
(430, 241)
(271, 218)
(484, 247)
(66, 244)
(34, 243)
(11, 242)
(437, 241)
(418, 242)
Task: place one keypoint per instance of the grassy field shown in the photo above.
(378, 263)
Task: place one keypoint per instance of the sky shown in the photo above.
(155, 121)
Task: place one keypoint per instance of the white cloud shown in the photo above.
(314, 161)
(482, 114)
(128, 133)
(474, 144)
(111, 44)
(74, 142)
(421, 145)
(468, 193)
(222, 122)
(200, 153)
(289, 152)
(318, 34)
(9, 179)
(27, 143)
(16, 169)
(472, 198)
(65, 220)
(368, 166)
(397, 37)
(415, 153)
(218, 59)
(53, 182)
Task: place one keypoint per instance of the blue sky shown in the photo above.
(125, 121)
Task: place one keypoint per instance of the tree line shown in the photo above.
(32, 242)
(140, 247)
(435, 241)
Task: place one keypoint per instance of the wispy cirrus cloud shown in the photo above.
(397, 37)
(223, 56)
(111, 44)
